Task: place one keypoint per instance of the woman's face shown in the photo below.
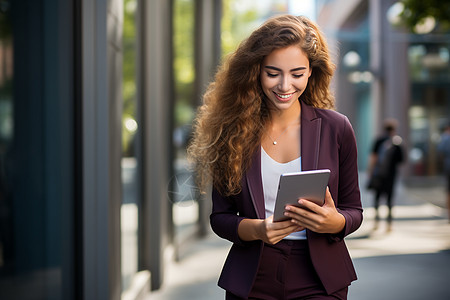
(284, 76)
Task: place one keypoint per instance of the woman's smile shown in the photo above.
(284, 97)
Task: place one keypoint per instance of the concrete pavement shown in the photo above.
(413, 260)
(410, 262)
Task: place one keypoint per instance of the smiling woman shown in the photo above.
(276, 84)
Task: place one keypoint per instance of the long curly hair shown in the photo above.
(230, 123)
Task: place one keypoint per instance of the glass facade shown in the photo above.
(37, 208)
(430, 103)
(387, 71)
(6, 145)
(355, 79)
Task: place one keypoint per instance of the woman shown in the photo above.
(269, 112)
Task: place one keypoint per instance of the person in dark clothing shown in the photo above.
(387, 154)
(444, 151)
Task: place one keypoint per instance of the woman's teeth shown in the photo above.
(283, 96)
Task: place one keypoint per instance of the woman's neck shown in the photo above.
(283, 118)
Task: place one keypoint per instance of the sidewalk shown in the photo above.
(410, 262)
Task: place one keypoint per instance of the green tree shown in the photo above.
(417, 11)
(129, 74)
(183, 64)
(236, 25)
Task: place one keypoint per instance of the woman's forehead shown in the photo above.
(287, 57)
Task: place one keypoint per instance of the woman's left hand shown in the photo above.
(321, 219)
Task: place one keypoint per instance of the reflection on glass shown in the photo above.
(429, 61)
(36, 171)
(429, 70)
(427, 115)
(6, 139)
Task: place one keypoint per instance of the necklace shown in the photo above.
(274, 141)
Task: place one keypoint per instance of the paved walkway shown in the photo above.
(410, 262)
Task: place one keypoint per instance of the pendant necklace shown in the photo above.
(274, 141)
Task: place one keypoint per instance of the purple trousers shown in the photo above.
(286, 272)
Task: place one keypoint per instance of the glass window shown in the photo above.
(6, 140)
(355, 86)
(37, 207)
(430, 104)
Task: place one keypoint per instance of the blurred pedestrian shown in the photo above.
(268, 112)
(387, 154)
(444, 150)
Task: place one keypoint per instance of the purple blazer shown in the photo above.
(327, 142)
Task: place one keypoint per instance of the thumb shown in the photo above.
(328, 199)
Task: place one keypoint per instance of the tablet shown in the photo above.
(309, 185)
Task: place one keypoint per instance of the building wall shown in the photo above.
(404, 84)
(362, 27)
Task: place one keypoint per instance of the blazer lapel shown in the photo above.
(255, 186)
(310, 137)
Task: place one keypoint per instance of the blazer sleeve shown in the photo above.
(224, 218)
(349, 202)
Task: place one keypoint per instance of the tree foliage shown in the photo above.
(236, 25)
(416, 11)
(129, 73)
(183, 60)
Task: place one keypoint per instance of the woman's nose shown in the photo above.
(284, 84)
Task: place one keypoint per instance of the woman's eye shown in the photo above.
(272, 74)
(297, 75)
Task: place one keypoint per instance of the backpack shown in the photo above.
(389, 154)
(444, 150)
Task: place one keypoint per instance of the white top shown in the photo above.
(270, 173)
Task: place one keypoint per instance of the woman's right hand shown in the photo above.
(266, 230)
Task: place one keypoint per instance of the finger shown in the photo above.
(280, 228)
(292, 227)
(300, 226)
(304, 223)
(271, 225)
(276, 236)
(296, 212)
(308, 205)
(303, 217)
(280, 224)
(313, 223)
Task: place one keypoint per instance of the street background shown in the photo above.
(97, 102)
(410, 262)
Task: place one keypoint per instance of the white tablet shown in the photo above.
(309, 185)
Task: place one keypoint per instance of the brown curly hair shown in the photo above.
(229, 125)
